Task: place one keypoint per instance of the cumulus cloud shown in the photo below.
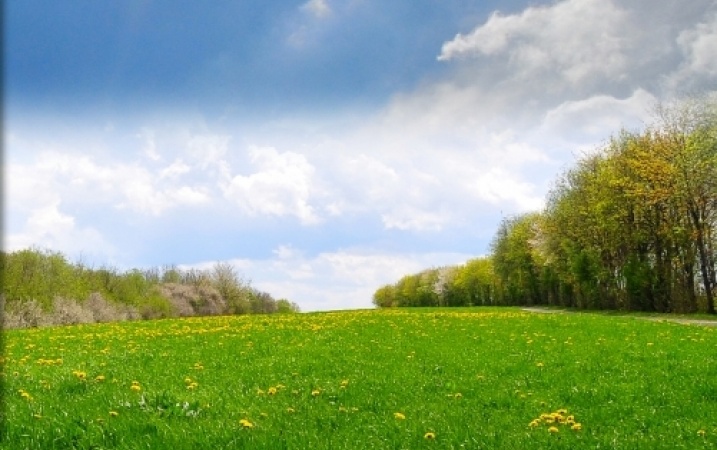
(44, 191)
(48, 227)
(577, 39)
(281, 186)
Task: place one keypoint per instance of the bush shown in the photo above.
(104, 311)
(68, 312)
(27, 314)
(155, 307)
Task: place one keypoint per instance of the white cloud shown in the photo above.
(40, 190)
(414, 219)
(594, 118)
(318, 8)
(506, 191)
(150, 146)
(577, 39)
(209, 152)
(698, 45)
(281, 186)
(48, 227)
(175, 170)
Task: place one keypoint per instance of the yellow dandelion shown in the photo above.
(553, 430)
(272, 391)
(430, 436)
(290, 410)
(458, 395)
(534, 423)
(540, 364)
(315, 392)
(114, 414)
(100, 378)
(136, 387)
(577, 426)
(246, 423)
(26, 396)
(399, 416)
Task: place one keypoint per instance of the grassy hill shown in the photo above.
(382, 379)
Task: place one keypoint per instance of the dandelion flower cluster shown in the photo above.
(399, 416)
(246, 423)
(190, 384)
(554, 420)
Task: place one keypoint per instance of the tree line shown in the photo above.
(41, 287)
(631, 226)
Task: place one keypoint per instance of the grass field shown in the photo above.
(384, 379)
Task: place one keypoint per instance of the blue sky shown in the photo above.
(323, 147)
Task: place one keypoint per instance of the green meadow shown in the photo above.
(478, 378)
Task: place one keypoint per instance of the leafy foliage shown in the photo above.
(41, 287)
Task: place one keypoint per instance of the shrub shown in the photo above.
(27, 314)
(180, 298)
(68, 312)
(104, 311)
(155, 307)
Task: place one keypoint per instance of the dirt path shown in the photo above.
(702, 322)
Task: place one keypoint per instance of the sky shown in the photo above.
(325, 147)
